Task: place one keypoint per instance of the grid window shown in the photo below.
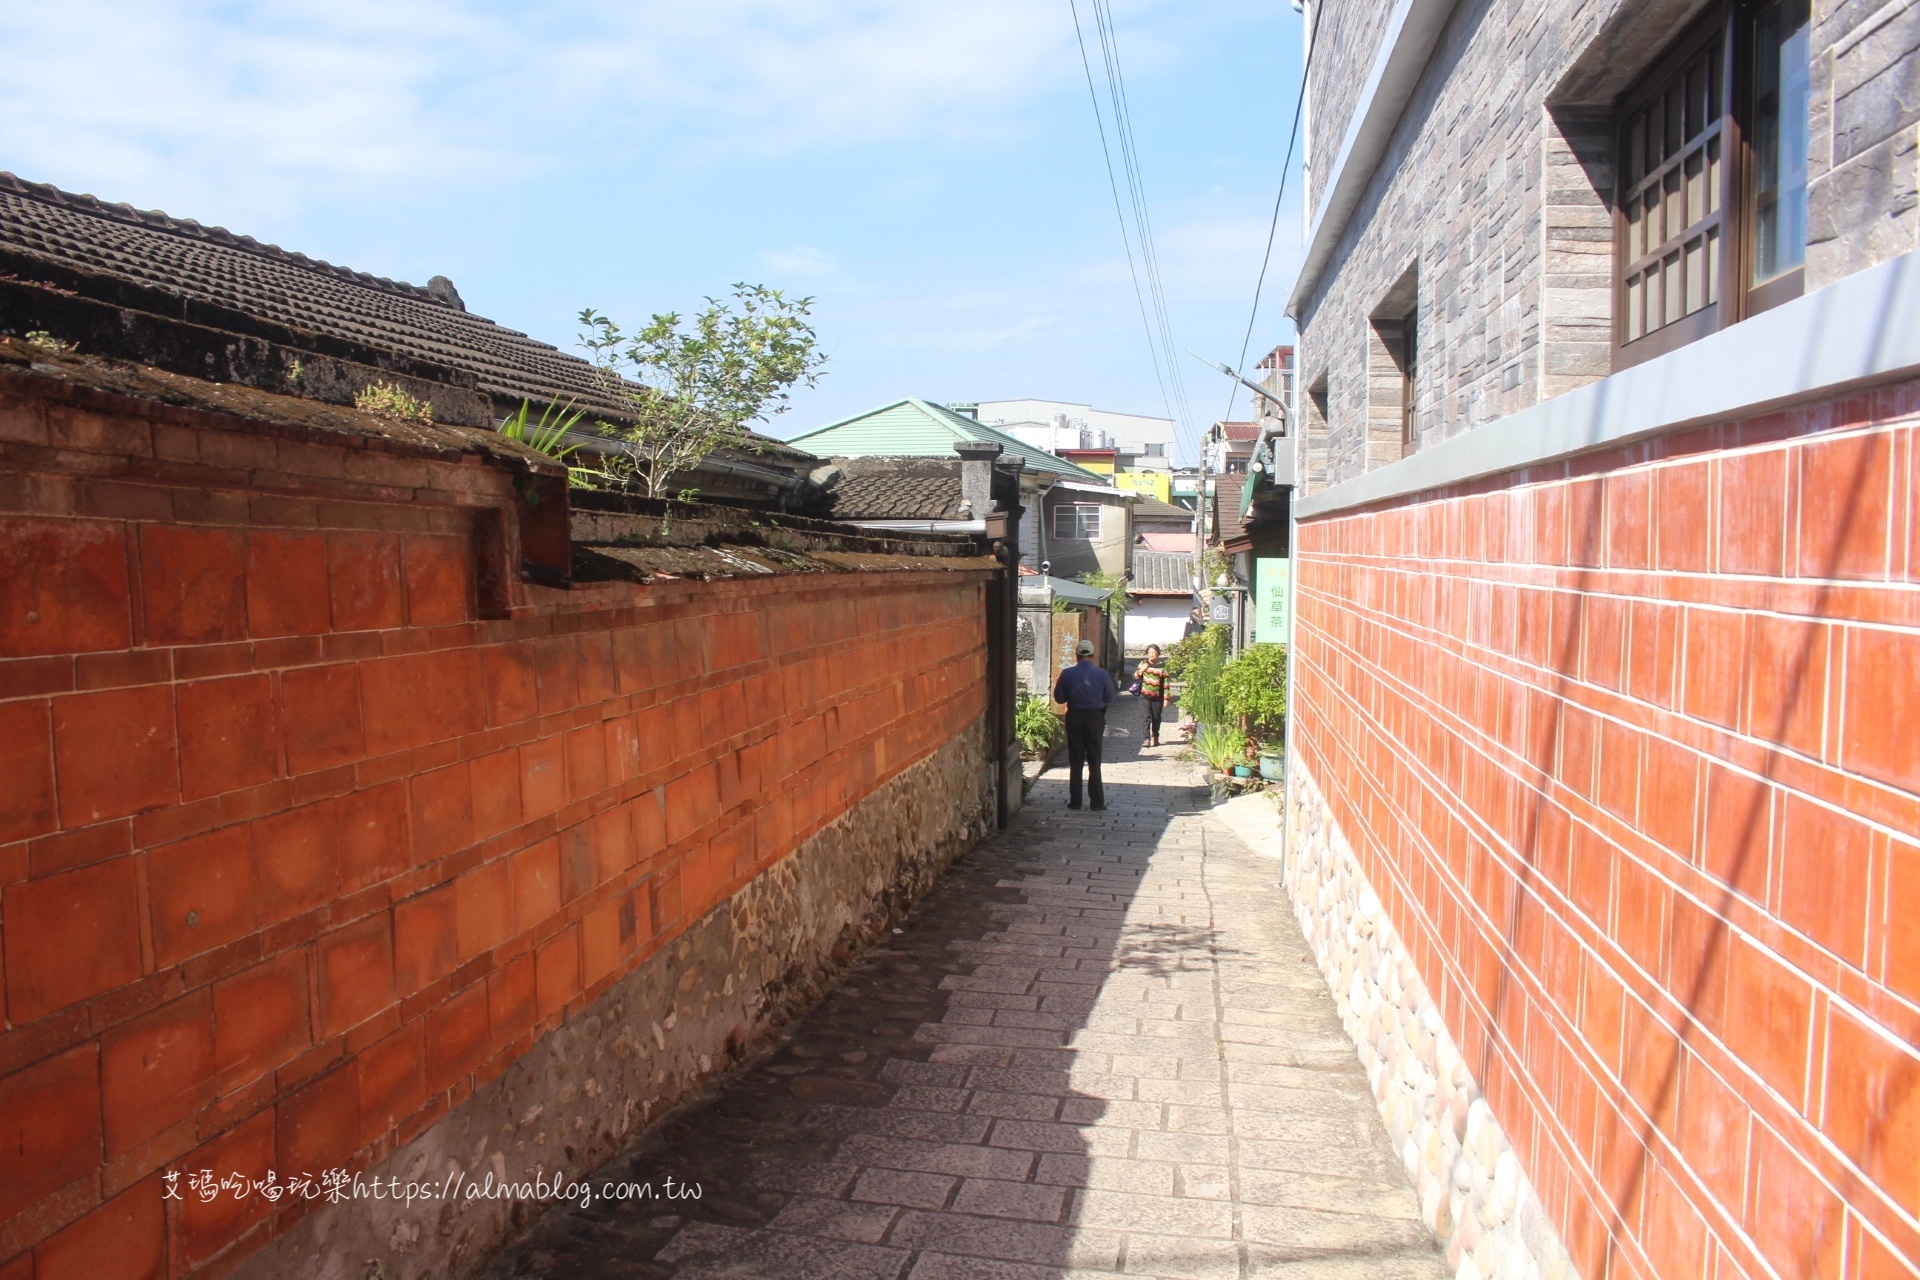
(1077, 520)
(1673, 193)
(1711, 209)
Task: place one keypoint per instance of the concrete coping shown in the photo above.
(1855, 332)
(1413, 29)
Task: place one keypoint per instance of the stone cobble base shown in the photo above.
(688, 1013)
(1474, 1195)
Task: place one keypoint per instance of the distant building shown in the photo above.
(1104, 462)
(1229, 445)
(1163, 524)
(1183, 488)
(1160, 600)
(1276, 375)
(1076, 523)
(1157, 485)
(1148, 441)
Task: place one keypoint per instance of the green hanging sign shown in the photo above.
(1273, 598)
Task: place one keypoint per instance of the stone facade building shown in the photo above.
(1476, 188)
(1604, 816)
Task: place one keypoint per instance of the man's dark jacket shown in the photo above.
(1085, 687)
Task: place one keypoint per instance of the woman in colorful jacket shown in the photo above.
(1150, 682)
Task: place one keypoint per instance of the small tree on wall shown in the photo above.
(692, 384)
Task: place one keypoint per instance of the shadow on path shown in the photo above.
(1098, 1046)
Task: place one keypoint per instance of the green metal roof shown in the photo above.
(915, 428)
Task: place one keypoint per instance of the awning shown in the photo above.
(1104, 490)
(1076, 593)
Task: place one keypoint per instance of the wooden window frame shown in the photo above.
(1409, 380)
(1731, 223)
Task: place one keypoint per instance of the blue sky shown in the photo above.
(930, 173)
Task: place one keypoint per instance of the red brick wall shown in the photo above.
(1630, 749)
(296, 853)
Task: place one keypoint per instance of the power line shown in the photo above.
(1143, 221)
(1293, 134)
(1152, 299)
(1113, 185)
(1129, 155)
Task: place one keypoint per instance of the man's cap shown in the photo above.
(1084, 648)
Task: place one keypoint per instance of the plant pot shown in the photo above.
(1273, 765)
(1243, 771)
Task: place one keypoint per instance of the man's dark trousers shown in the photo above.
(1084, 730)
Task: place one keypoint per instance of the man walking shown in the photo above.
(1087, 690)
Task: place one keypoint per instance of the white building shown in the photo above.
(1150, 439)
(1059, 436)
(1162, 596)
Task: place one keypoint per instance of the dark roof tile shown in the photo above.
(179, 257)
(1153, 511)
(884, 497)
(1161, 573)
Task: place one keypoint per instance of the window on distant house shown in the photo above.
(1710, 212)
(1077, 520)
(1156, 449)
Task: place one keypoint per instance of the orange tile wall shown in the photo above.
(1630, 749)
(296, 853)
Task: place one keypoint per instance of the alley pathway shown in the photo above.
(1099, 1047)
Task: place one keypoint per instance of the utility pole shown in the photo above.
(1205, 505)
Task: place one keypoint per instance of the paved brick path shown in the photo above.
(1098, 1047)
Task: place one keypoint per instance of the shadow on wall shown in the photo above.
(1655, 1059)
(1072, 559)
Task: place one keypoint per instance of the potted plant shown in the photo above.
(1036, 726)
(1273, 762)
(1222, 747)
(1254, 687)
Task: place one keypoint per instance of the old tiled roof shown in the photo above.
(210, 264)
(1153, 511)
(882, 497)
(622, 536)
(1240, 431)
(896, 488)
(1228, 526)
(77, 371)
(179, 257)
(1159, 573)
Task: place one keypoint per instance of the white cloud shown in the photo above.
(800, 262)
(341, 126)
(378, 99)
